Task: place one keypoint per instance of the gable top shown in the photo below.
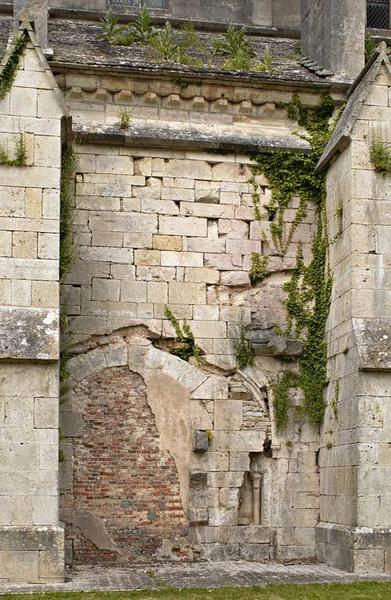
(357, 95)
(27, 28)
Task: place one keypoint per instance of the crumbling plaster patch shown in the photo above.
(93, 529)
(169, 402)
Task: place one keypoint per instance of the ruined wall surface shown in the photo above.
(355, 459)
(163, 227)
(120, 477)
(31, 542)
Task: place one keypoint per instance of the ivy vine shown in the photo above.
(67, 210)
(244, 351)
(20, 158)
(66, 251)
(292, 175)
(9, 70)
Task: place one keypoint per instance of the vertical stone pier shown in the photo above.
(333, 35)
(355, 457)
(31, 538)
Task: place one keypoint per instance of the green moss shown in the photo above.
(67, 210)
(20, 154)
(244, 351)
(370, 46)
(9, 70)
(185, 337)
(258, 271)
(66, 253)
(380, 156)
(292, 175)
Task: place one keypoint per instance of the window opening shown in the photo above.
(378, 14)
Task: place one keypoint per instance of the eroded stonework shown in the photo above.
(163, 458)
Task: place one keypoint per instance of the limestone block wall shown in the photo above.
(31, 541)
(157, 228)
(355, 460)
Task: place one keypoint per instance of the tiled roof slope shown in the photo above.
(76, 44)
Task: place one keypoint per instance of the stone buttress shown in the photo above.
(31, 538)
(355, 458)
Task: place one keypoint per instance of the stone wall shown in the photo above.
(333, 35)
(355, 458)
(167, 228)
(248, 12)
(31, 541)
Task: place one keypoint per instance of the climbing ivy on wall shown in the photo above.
(9, 70)
(67, 208)
(66, 250)
(20, 154)
(309, 290)
(7, 78)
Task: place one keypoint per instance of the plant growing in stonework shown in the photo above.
(244, 351)
(266, 64)
(370, 46)
(67, 210)
(380, 156)
(185, 338)
(292, 175)
(111, 29)
(281, 388)
(166, 43)
(258, 271)
(66, 251)
(236, 47)
(190, 38)
(171, 47)
(20, 154)
(10, 68)
(142, 29)
(125, 119)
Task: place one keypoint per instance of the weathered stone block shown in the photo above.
(24, 244)
(200, 441)
(190, 226)
(228, 415)
(254, 552)
(29, 333)
(46, 413)
(19, 566)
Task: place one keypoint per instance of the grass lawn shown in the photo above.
(356, 591)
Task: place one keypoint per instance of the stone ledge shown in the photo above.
(29, 333)
(161, 136)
